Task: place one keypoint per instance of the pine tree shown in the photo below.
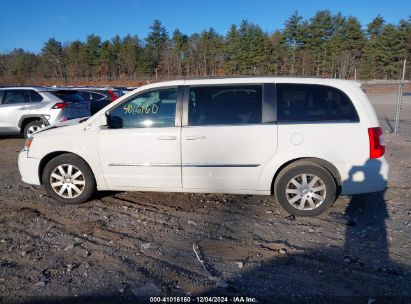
(254, 50)
(106, 59)
(208, 49)
(405, 27)
(156, 41)
(390, 51)
(293, 33)
(54, 58)
(179, 52)
(74, 67)
(319, 32)
(129, 54)
(347, 43)
(373, 33)
(279, 54)
(20, 65)
(231, 48)
(90, 55)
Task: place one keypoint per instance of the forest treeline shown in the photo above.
(324, 45)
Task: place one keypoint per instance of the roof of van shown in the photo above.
(252, 79)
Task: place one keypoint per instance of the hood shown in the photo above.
(66, 123)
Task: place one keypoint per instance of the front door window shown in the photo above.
(149, 109)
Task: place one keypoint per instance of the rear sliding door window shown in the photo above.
(225, 105)
(313, 103)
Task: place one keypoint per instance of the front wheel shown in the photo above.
(68, 179)
(305, 189)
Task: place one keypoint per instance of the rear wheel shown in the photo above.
(68, 179)
(305, 189)
(32, 127)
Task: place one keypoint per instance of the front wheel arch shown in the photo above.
(68, 179)
(46, 159)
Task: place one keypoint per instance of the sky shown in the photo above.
(27, 24)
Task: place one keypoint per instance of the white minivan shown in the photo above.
(304, 140)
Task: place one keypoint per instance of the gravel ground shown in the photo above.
(123, 247)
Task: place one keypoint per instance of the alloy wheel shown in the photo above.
(67, 181)
(33, 129)
(305, 191)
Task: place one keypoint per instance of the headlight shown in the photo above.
(28, 143)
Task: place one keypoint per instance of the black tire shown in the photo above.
(311, 170)
(78, 164)
(32, 124)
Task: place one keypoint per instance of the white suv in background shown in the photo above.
(304, 140)
(25, 110)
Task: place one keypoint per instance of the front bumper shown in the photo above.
(29, 168)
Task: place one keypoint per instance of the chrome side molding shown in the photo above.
(185, 165)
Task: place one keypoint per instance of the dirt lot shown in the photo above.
(122, 247)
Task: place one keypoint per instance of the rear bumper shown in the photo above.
(366, 178)
(29, 169)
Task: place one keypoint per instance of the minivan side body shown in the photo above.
(228, 135)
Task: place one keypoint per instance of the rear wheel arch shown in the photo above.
(25, 120)
(323, 163)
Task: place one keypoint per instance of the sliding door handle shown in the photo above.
(166, 137)
(195, 137)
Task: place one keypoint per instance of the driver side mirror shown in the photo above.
(113, 122)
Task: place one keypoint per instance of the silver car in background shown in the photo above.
(25, 110)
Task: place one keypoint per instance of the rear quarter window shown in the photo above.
(313, 103)
(35, 97)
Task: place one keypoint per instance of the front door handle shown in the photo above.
(166, 137)
(196, 137)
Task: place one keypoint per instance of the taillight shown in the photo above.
(377, 147)
(113, 96)
(60, 105)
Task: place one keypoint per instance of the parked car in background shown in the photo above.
(25, 110)
(304, 140)
(110, 93)
(98, 97)
(125, 90)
